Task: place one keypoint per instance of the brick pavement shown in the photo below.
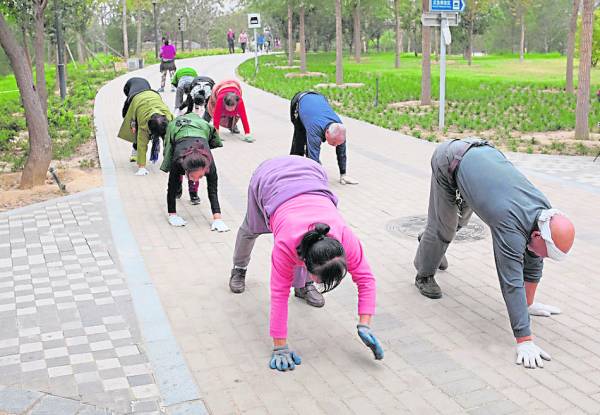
(449, 356)
(69, 338)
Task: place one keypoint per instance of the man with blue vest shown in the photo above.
(314, 123)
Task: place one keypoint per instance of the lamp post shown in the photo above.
(62, 81)
(155, 29)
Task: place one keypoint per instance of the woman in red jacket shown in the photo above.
(226, 107)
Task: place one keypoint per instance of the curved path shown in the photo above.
(454, 355)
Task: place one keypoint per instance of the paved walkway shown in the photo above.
(449, 356)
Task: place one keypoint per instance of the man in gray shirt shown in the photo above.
(472, 176)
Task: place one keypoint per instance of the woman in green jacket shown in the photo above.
(145, 117)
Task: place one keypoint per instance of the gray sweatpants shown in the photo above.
(244, 243)
(445, 215)
(181, 90)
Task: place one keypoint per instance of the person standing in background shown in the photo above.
(231, 40)
(243, 39)
(167, 63)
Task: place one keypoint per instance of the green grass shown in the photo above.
(69, 122)
(497, 97)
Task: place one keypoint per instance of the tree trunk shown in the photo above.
(426, 62)
(40, 71)
(398, 33)
(138, 40)
(125, 40)
(26, 46)
(302, 41)
(571, 45)
(290, 34)
(408, 45)
(357, 41)
(339, 68)
(80, 48)
(470, 47)
(582, 111)
(522, 44)
(40, 146)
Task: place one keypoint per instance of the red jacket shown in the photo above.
(216, 109)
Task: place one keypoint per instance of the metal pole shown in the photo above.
(62, 82)
(442, 77)
(255, 52)
(155, 31)
(182, 40)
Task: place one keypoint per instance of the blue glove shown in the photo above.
(284, 359)
(369, 339)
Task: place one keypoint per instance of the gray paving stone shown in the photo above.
(13, 400)
(53, 405)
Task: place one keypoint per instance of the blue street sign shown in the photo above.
(446, 5)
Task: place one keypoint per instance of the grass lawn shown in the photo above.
(519, 106)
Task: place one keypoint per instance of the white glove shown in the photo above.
(543, 310)
(142, 172)
(176, 220)
(530, 355)
(219, 226)
(344, 179)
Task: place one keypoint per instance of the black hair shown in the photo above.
(196, 158)
(158, 125)
(230, 99)
(165, 41)
(323, 256)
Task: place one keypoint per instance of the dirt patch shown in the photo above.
(342, 86)
(411, 104)
(304, 75)
(80, 172)
(287, 67)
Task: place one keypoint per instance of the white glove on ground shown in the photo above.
(219, 226)
(543, 310)
(142, 172)
(530, 355)
(344, 179)
(176, 220)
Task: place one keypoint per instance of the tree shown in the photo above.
(571, 45)
(302, 39)
(290, 21)
(426, 62)
(40, 145)
(398, 31)
(474, 18)
(339, 66)
(357, 30)
(125, 40)
(582, 110)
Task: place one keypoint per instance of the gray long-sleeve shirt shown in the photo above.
(510, 205)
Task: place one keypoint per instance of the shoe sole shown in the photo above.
(237, 291)
(308, 302)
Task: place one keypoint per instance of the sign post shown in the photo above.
(444, 13)
(254, 23)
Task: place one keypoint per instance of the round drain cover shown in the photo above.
(411, 226)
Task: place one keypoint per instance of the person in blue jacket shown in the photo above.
(314, 123)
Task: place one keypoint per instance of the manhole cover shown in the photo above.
(411, 226)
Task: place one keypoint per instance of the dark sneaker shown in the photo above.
(235, 130)
(237, 282)
(194, 198)
(443, 263)
(428, 287)
(310, 293)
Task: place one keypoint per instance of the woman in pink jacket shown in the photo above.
(289, 196)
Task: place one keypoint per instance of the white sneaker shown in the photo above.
(142, 172)
(344, 179)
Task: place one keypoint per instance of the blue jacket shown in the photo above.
(316, 115)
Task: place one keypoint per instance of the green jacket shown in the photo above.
(141, 109)
(181, 73)
(184, 126)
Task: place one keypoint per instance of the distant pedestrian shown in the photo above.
(243, 39)
(226, 107)
(260, 42)
(231, 40)
(167, 63)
